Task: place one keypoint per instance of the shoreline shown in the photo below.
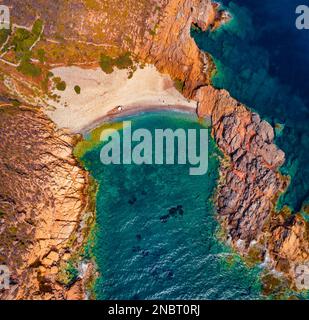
(128, 111)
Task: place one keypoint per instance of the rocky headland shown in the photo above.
(250, 185)
(43, 202)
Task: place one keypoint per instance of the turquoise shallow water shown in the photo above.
(263, 61)
(156, 230)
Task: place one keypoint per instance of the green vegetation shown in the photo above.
(21, 42)
(77, 89)
(60, 85)
(41, 55)
(131, 71)
(37, 28)
(179, 85)
(24, 39)
(28, 68)
(68, 275)
(153, 32)
(12, 230)
(45, 81)
(16, 103)
(4, 33)
(108, 63)
(124, 61)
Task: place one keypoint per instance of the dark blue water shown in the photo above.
(156, 233)
(263, 61)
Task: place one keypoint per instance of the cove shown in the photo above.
(262, 60)
(156, 235)
(162, 142)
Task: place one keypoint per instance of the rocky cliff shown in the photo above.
(250, 185)
(43, 198)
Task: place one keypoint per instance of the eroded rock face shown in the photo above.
(252, 181)
(173, 51)
(250, 184)
(288, 244)
(42, 200)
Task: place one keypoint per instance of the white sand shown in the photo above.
(102, 94)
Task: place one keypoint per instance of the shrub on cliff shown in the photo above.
(106, 63)
(123, 61)
(29, 69)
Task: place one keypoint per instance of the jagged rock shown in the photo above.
(43, 194)
(266, 131)
(250, 185)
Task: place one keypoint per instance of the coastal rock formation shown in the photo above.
(245, 199)
(288, 239)
(43, 195)
(173, 50)
(250, 185)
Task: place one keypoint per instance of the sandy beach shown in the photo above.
(106, 96)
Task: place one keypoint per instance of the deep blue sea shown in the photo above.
(262, 59)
